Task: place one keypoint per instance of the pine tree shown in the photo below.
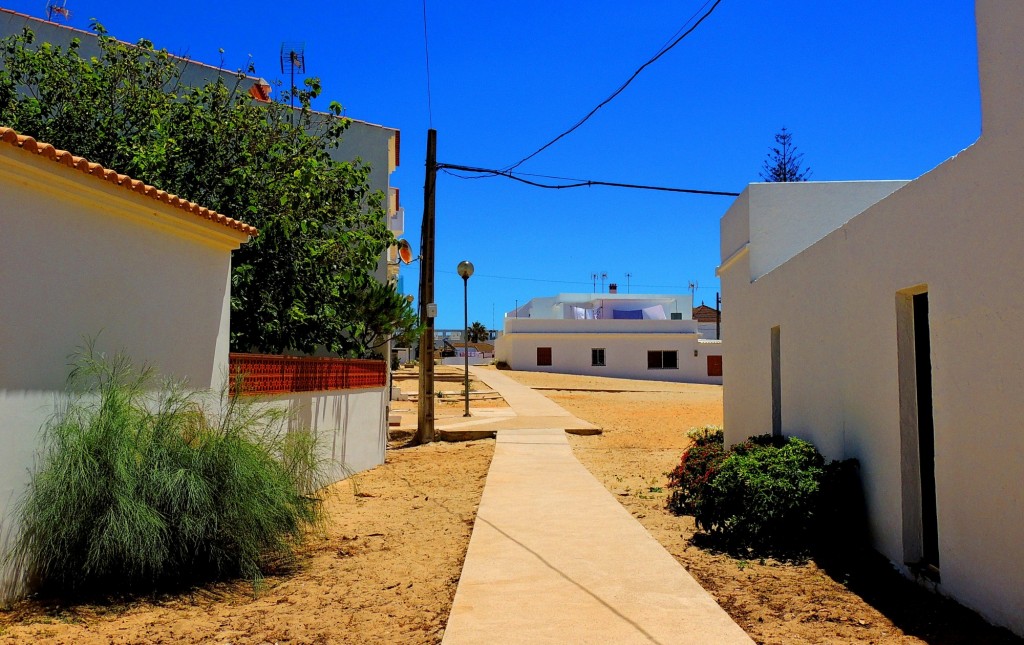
(782, 163)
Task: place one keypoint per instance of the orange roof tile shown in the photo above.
(64, 157)
(705, 314)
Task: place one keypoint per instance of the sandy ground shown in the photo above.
(780, 603)
(386, 567)
(383, 570)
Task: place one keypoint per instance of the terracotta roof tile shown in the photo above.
(30, 145)
(705, 314)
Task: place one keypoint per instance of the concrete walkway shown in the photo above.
(554, 558)
(527, 409)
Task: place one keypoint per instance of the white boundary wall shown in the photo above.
(351, 426)
(837, 299)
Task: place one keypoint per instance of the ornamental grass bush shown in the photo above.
(140, 489)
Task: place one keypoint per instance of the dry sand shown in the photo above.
(385, 569)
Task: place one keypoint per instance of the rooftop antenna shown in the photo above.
(593, 280)
(628, 276)
(693, 290)
(57, 8)
(604, 276)
(293, 59)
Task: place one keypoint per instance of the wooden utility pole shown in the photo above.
(718, 316)
(425, 420)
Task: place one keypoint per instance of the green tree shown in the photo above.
(782, 163)
(307, 280)
(478, 333)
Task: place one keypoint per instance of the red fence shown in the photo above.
(269, 374)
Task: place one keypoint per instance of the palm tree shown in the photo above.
(478, 333)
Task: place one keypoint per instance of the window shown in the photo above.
(543, 356)
(662, 360)
(597, 356)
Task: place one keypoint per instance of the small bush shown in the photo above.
(140, 489)
(764, 495)
(697, 467)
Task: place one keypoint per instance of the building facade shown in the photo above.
(635, 336)
(881, 321)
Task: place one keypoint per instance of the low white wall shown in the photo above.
(351, 426)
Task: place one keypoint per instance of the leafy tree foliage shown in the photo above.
(306, 281)
(478, 333)
(782, 163)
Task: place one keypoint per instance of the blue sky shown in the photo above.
(871, 90)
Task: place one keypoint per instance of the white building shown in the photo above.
(86, 252)
(635, 336)
(882, 321)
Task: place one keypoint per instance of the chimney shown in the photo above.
(613, 288)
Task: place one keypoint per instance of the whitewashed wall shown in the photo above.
(80, 257)
(955, 231)
(626, 343)
(351, 426)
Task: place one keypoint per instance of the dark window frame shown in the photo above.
(662, 359)
(595, 361)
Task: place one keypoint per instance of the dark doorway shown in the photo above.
(925, 432)
(776, 382)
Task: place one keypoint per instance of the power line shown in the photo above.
(579, 282)
(576, 183)
(426, 53)
(664, 50)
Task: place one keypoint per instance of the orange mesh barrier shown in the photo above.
(270, 374)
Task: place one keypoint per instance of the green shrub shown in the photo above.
(697, 467)
(140, 489)
(764, 495)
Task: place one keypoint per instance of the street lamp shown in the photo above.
(465, 270)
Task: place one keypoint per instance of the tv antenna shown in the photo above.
(293, 59)
(693, 290)
(628, 276)
(57, 8)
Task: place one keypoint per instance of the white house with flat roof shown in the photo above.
(882, 321)
(636, 336)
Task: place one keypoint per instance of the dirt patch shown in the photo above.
(852, 599)
(383, 570)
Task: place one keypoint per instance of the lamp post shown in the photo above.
(465, 270)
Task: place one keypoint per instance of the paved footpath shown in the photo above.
(554, 558)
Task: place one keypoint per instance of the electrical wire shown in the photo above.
(679, 287)
(664, 50)
(426, 53)
(576, 183)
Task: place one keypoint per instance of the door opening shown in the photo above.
(776, 382)
(917, 430)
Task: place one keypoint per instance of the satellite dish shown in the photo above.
(404, 251)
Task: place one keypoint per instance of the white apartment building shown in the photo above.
(636, 336)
